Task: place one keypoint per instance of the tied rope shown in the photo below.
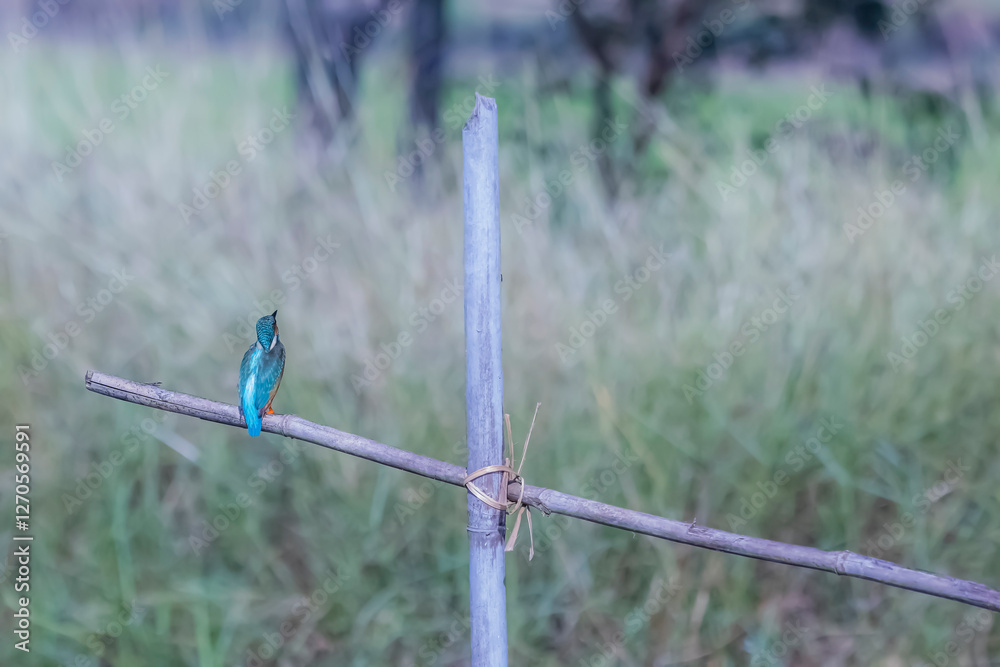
(509, 475)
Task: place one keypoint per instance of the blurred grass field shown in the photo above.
(394, 548)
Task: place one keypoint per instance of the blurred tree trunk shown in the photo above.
(653, 30)
(427, 35)
(329, 40)
(426, 49)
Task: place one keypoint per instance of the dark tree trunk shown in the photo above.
(427, 35)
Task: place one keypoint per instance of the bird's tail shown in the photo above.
(252, 419)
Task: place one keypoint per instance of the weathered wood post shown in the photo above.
(484, 381)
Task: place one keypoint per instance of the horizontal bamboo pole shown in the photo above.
(839, 562)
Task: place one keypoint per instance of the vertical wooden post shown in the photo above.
(484, 381)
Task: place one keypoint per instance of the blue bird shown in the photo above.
(260, 373)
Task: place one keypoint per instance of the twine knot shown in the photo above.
(509, 475)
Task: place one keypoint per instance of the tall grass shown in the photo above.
(394, 550)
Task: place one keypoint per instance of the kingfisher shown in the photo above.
(260, 373)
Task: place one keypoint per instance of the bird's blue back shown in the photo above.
(249, 372)
(260, 374)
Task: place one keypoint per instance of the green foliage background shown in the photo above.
(394, 548)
